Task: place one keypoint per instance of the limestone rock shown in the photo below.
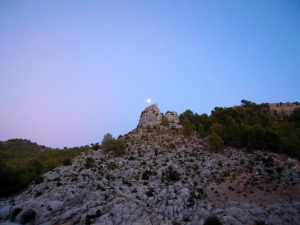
(173, 119)
(151, 115)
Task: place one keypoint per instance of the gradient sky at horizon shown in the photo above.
(71, 71)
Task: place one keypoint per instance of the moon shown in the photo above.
(148, 100)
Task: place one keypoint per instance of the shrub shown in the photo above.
(39, 180)
(148, 128)
(38, 193)
(126, 182)
(188, 127)
(28, 216)
(107, 139)
(215, 142)
(212, 220)
(172, 175)
(115, 146)
(164, 121)
(95, 146)
(112, 166)
(67, 162)
(201, 130)
(172, 146)
(150, 192)
(89, 162)
(146, 175)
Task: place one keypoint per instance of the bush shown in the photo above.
(148, 128)
(115, 146)
(89, 162)
(201, 130)
(188, 127)
(107, 139)
(150, 192)
(28, 216)
(212, 220)
(164, 121)
(38, 194)
(39, 180)
(67, 162)
(215, 142)
(95, 146)
(172, 175)
(112, 166)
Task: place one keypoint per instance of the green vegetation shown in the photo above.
(252, 126)
(148, 128)
(116, 146)
(171, 175)
(89, 163)
(22, 161)
(188, 127)
(164, 121)
(215, 142)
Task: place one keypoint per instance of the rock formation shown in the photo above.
(152, 116)
(284, 109)
(173, 119)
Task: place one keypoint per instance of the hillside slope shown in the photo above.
(164, 178)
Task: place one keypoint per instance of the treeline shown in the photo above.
(22, 161)
(252, 126)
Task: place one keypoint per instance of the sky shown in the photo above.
(73, 70)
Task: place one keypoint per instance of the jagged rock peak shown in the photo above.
(151, 115)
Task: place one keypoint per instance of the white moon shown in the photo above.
(148, 100)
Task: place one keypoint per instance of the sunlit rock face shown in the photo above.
(173, 119)
(151, 115)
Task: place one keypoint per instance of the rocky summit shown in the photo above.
(150, 116)
(165, 177)
(153, 117)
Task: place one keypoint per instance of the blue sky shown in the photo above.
(71, 71)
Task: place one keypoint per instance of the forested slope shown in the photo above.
(252, 126)
(22, 161)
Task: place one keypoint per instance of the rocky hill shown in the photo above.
(165, 177)
(283, 109)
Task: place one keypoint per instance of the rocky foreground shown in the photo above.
(164, 178)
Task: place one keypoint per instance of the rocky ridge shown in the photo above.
(153, 117)
(164, 178)
(284, 108)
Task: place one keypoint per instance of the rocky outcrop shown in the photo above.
(151, 115)
(173, 119)
(284, 109)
